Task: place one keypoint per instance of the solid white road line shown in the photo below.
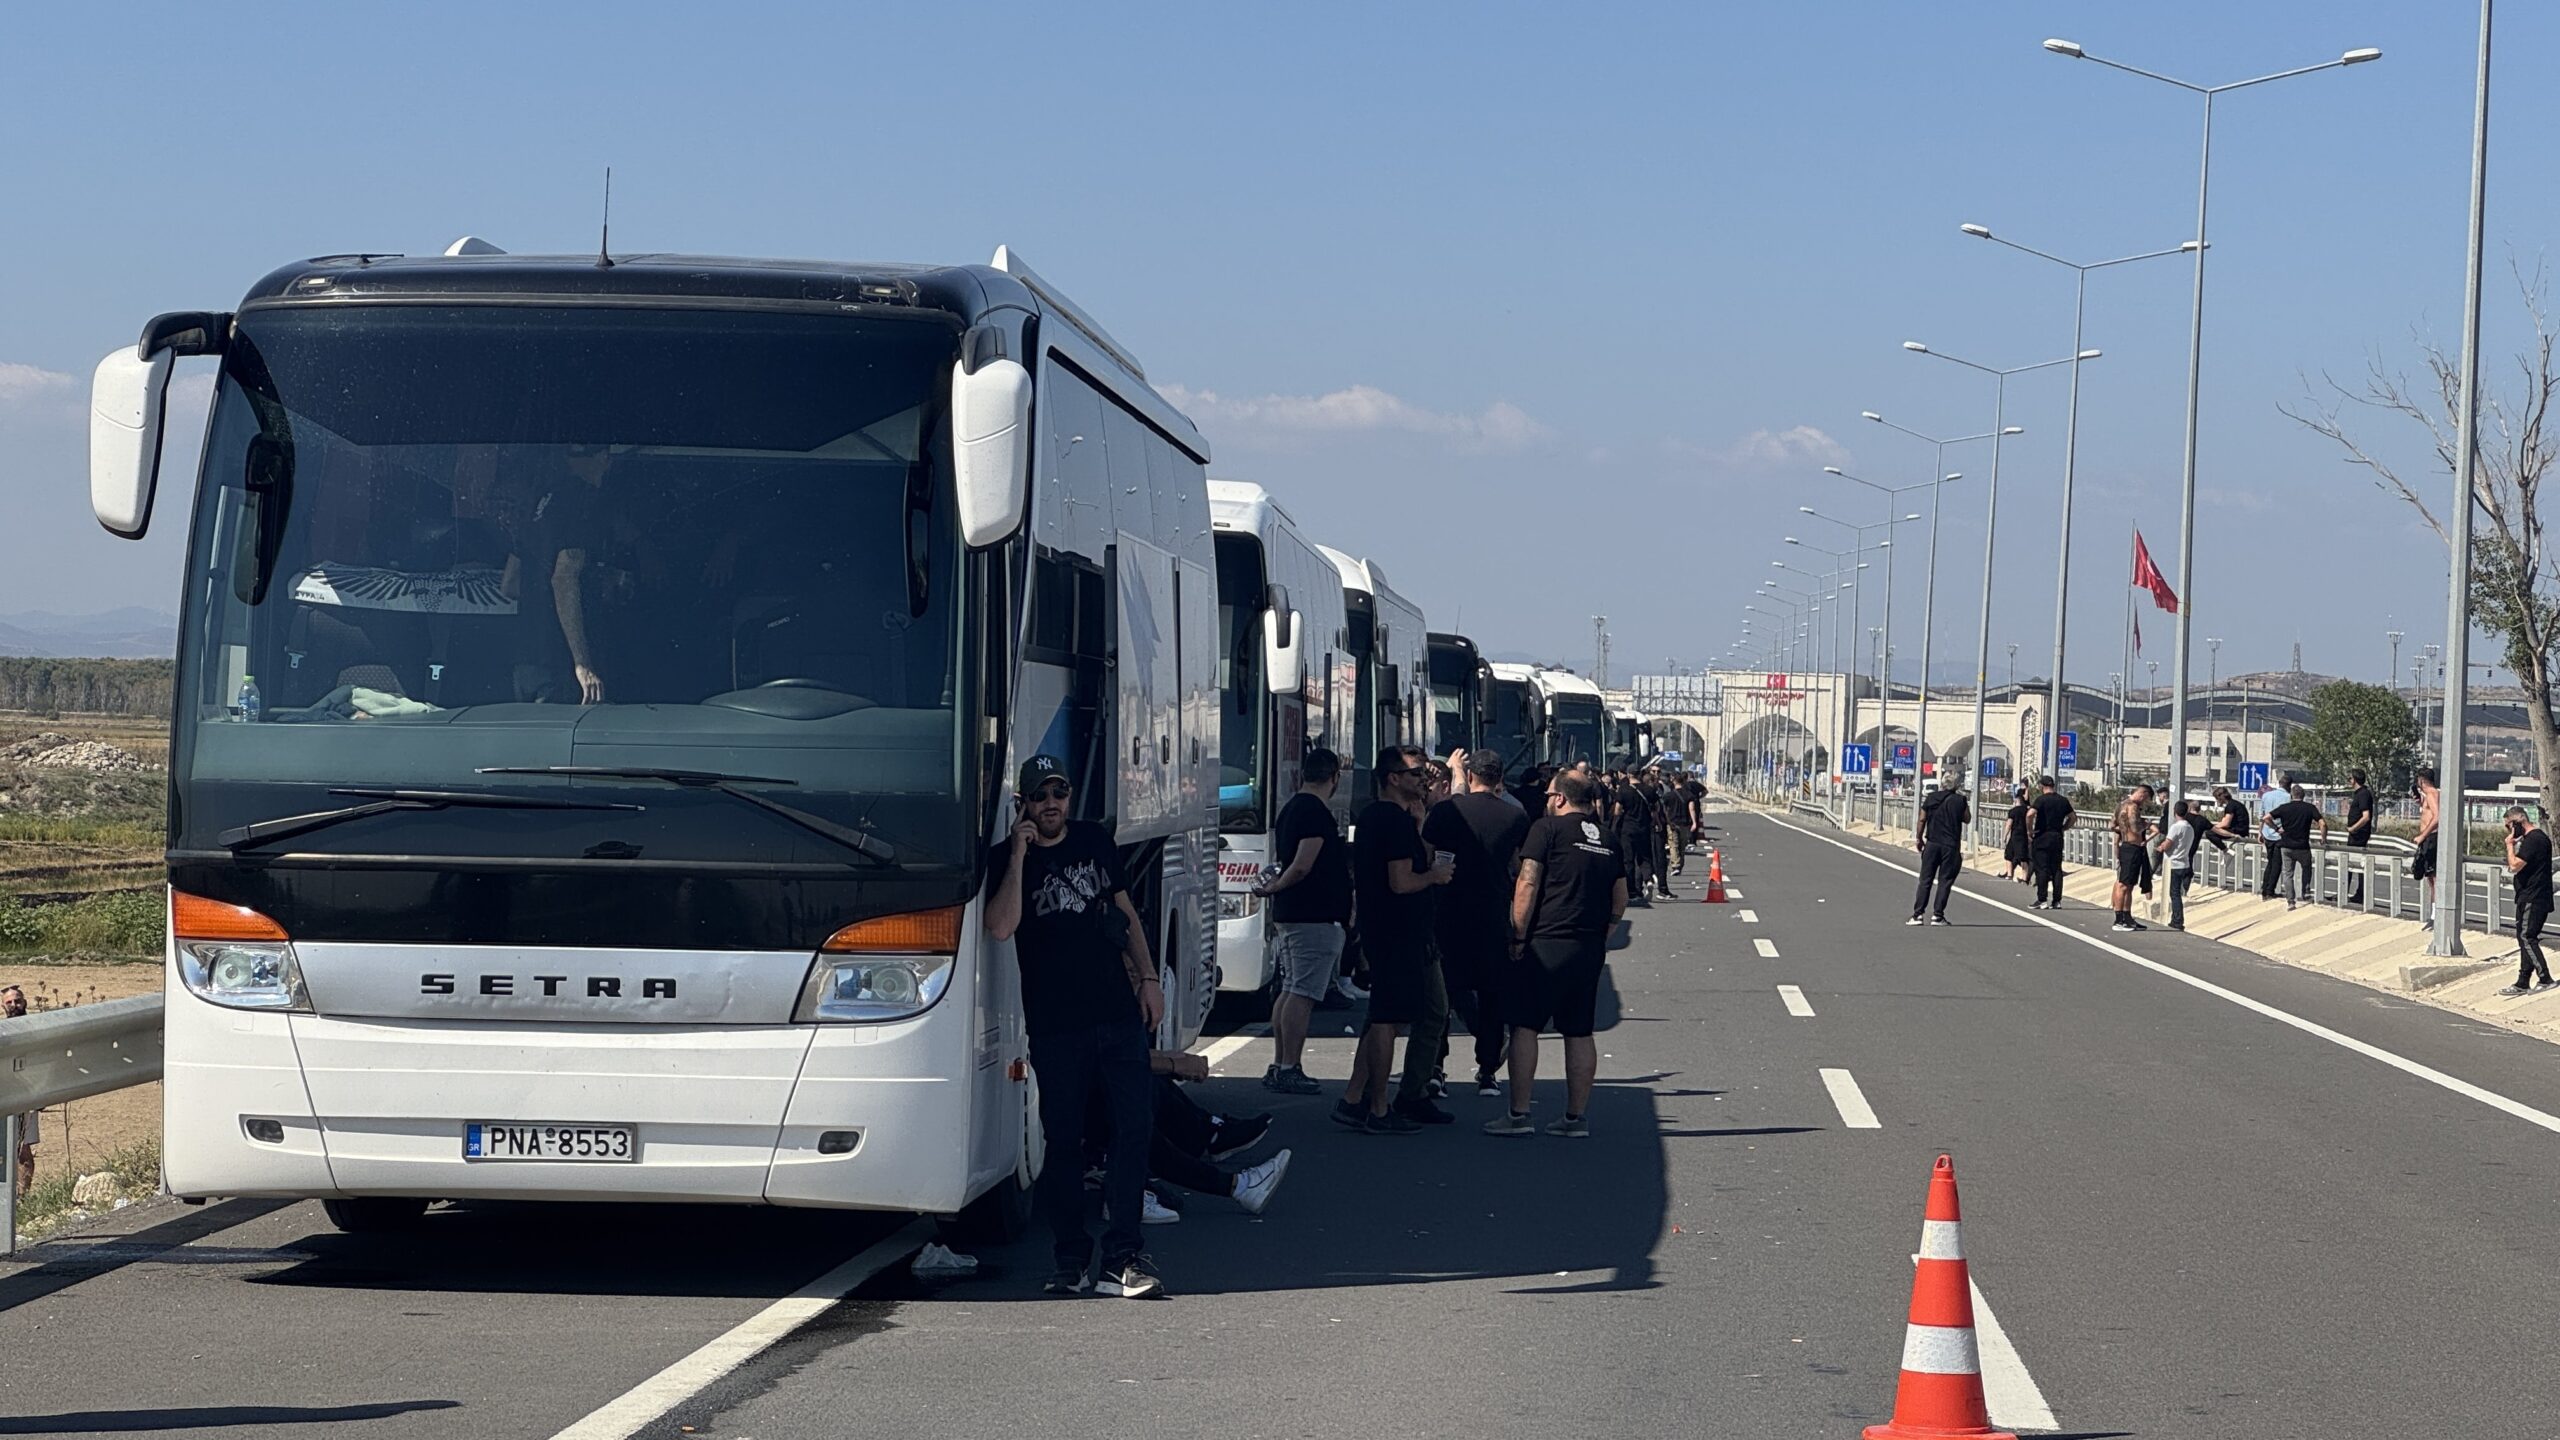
(1222, 1048)
(1768, 948)
(2008, 1391)
(689, 1376)
(1749, 917)
(1855, 1112)
(1795, 1001)
(2007, 1388)
(2491, 1098)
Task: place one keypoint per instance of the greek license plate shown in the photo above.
(495, 1140)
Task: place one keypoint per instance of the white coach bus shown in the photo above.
(597, 683)
(1391, 659)
(1285, 685)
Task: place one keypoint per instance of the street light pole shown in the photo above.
(2070, 460)
(1884, 669)
(1929, 588)
(2457, 627)
(1991, 516)
(2213, 684)
(2195, 353)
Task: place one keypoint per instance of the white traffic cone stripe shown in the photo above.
(1940, 1350)
(1939, 1240)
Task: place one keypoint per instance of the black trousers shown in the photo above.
(1179, 1152)
(1100, 1067)
(2530, 966)
(1938, 866)
(2355, 870)
(1473, 956)
(1633, 845)
(2273, 869)
(2044, 861)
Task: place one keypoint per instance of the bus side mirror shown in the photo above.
(1284, 660)
(128, 397)
(991, 448)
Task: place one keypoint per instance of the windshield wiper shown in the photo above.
(382, 802)
(868, 846)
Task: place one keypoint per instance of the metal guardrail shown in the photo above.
(65, 1055)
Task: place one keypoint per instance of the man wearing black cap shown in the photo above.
(1090, 1001)
(1482, 829)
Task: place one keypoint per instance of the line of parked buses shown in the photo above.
(1322, 651)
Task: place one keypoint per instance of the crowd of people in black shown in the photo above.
(1453, 896)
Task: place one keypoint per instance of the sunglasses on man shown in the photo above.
(1050, 790)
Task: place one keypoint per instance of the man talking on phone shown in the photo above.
(2529, 864)
(1091, 1000)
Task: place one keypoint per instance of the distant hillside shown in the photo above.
(130, 632)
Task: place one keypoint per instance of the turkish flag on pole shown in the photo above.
(2148, 576)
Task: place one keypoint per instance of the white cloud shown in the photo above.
(25, 386)
(1797, 445)
(1357, 409)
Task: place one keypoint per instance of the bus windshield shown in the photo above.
(1508, 728)
(436, 541)
(1578, 723)
(1244, 700)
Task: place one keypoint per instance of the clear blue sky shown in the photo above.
(1554, 311)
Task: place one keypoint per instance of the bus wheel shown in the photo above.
(374, 1214)
(1004, 1212)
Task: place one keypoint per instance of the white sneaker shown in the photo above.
(1255, 1184)
(1154, 1212)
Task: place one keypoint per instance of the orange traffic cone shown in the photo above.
(1715, 877)
(1940, 1395)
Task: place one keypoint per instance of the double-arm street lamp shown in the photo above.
(1929, 590)
(1991, 515)
(2070, 454)
(1884, 665)
(2195, 365)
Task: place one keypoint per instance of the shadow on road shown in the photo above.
(509, 1248)
(208, 1417)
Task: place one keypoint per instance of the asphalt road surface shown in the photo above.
(2205, 1195)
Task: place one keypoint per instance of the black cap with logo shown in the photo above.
(1037, 769)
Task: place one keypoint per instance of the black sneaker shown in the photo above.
(1289, 1080)
(2513, 990)
(1488, 1083)
(1437, 1089)
(1237, 1134)
(1940, 920)
(1130, 1279)
(1064, 1281)
(1347, 1113)
(1391, 1123)
(1424, 1112)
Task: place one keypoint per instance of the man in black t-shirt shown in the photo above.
(2293, 821)
(1310, 907)
(1937, 831)
(2047, 818)
(1631, 812)
(2529, 864)
(2233, 823)
(1090, 1001)
(1571, 890)
(1483, 829)
(2359, 833)
(1393, 875)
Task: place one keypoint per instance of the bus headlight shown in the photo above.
(243, 976)
(871, 989)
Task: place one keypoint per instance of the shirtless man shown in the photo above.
(2133, 837)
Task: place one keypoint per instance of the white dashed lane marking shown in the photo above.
(1854, 1110)
(1749, 917)
(1767, 947)
(1795, 1001)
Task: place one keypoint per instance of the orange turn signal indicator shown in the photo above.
(932, 932)
(193, 917)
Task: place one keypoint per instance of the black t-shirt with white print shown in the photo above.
(1578, 874)
(1071, 938)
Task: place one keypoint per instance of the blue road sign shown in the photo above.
(1902, 755)
(2253, 777)
(1990, 767)
(2066, 749)
(1857, 759)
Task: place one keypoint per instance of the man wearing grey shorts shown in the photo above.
(1310, 904)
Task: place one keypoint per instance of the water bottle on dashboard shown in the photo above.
(247, 702)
